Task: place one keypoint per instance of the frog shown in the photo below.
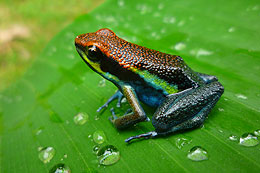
(182, 97)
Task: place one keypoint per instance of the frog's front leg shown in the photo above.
(184, 111)
(118, 95)
(137, 114)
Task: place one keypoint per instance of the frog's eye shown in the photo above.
(94, 54)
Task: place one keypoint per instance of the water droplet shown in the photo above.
(200, 52)
(248, 140)
(180, 142)
(233, 138)
(143, 8)
(38, 131)
(46, 154)
(102, 83)
(180, 46)
(95, 149)
(257, 132)
(241, 96)
(60, 168)
(231, 29)
(108, 155)
(121, 3)
(221, 131)
(81, 118)
(181, 23)
(169, 19)
(220, 109)
(96, 118)
(99, 137)
(89, 136)
(197, 153)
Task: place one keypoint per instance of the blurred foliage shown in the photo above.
(213, 37)
(27, 26)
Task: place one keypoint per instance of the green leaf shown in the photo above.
(217, 37)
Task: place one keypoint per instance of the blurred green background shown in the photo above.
(27, 26)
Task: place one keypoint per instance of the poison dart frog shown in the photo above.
(183, 97)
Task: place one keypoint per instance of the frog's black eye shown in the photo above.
(94, 54)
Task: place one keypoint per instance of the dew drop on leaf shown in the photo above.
(60, 168)
(248, 140)
(81, 118)
(197, 153)
(233, 138)
(108, 155)
(99, 137)
(46, 154)
(180, 142)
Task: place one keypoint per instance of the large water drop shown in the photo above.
(198, 153)
(108, 155)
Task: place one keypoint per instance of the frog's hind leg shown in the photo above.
(136, 115)
(187, 111)
(118, 95)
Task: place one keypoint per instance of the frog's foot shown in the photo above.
(114, 117)
(118, 95)
(148, 135)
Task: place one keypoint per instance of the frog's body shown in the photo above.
(183, 97)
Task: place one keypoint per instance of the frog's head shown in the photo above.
(106, 54)
(94, 49)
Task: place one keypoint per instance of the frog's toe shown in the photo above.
(118, 95)
(114, 117)
(148, 135)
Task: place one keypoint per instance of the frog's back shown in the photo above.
(147, 63)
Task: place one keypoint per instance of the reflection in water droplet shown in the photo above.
(233, 138)
(81, 118)
(257, 132)
(60, 168)
(197, 153)
(248, 140)
(241, 96)
(99, 137)
(46, 154)
(180, 142)
(108, 155)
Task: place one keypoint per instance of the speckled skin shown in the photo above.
(184, 98)
(170, 68)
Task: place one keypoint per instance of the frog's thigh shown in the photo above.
(189, 110)
(137, 114)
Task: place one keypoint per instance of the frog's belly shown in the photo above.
(150, 96)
